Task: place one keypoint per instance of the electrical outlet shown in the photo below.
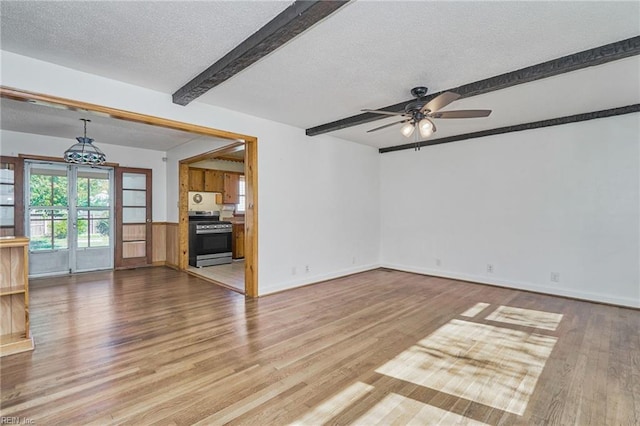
(489, 268)
(438, 262)
(293, 270)
(555, 277)
(306, 269)
(353, 261)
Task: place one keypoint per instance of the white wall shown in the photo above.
(562, 199)
(298, 176)
(317, 204)
(14, 143)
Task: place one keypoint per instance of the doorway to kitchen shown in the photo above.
(216, 206)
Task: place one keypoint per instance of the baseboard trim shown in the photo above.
(172, 266)
(518, 285)
(317, 279)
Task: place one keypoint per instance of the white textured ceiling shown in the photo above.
(44, 120)
(160, 45)
(366, 55)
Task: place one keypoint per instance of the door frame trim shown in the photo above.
(251, 169)
(251, 208)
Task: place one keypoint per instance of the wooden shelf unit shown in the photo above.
(15, 336)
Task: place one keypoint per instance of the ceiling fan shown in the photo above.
(419, 113)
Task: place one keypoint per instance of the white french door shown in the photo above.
(69, 218)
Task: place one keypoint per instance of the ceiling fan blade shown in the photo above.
(463, 113)
(388, 125)
(377, 111)
(440, 102)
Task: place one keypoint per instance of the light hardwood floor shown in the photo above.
(156, 345)
(230, 274)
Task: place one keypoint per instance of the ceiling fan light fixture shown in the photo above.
(407, 129)
(84, 151)
(426, 127)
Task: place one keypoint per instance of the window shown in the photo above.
(241, 196)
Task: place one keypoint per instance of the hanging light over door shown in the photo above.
(84, 151)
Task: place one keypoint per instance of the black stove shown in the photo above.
(209, 239)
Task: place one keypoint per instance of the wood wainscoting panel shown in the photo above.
(159, 243)
(173, 244)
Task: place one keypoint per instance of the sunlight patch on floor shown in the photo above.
(475, 310)
(495, 366)
(399, 410)
(335, 405)
(526, 317)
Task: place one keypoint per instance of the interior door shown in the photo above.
(133, 217)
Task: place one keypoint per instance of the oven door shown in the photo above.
(208, 244)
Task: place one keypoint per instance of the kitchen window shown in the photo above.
(241, 195)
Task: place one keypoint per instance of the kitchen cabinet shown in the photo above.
(196, 180)
(15, 336)
(206, 180)
(237, 243)
(230, 195)
(213, 181)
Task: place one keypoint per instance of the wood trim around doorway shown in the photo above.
(235, 139)
(251, 208)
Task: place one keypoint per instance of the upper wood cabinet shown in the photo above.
(230, 193)
(213, 180)
(196, 180)
(206, 180)
(225, 183)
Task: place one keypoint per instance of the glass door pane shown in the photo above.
(47, 218)
(94, 212)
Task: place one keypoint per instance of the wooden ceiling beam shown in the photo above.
(291, 22)
(611, 112)
(587, 58)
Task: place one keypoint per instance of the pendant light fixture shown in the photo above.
(84, 152)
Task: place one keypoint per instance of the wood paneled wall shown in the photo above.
(173, 246)
(165, 243)
(159, 243)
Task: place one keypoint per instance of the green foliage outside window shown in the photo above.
(93, 192)
(48, 190)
